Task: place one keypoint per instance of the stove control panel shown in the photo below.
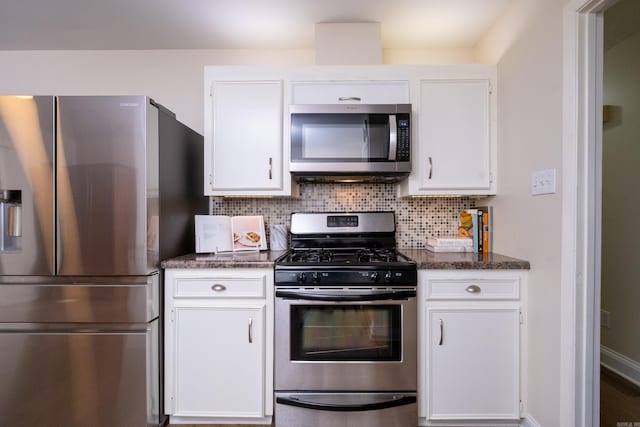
(313, 277)
(342, 277)
(342, 221)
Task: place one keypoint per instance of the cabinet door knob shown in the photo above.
(473, 289)
(250, 330)
(270, 167)
(218, 287)
(441, 332)
(430, 166)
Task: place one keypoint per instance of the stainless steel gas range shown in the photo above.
(346, 320)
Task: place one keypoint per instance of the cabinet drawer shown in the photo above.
(474, 289)
(220, 287)
(350, 92)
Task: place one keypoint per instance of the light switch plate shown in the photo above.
(543, 182)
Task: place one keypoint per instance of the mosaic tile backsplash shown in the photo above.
(416, 218)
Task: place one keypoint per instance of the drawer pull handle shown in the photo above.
(473, 289)
(218, 287)
(250, 330)
(441, 332)
(349, 98)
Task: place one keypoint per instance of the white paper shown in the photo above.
(213, 233)
(221, 233)
(248, 233)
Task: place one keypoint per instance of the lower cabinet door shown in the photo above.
(219, 361)
(473, 365)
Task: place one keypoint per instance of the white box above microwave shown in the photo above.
(350, 143)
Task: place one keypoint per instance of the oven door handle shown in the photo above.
(381, 296)
(395, 401)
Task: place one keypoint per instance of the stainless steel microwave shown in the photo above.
(350, 143)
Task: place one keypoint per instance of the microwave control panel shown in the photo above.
(404, 143)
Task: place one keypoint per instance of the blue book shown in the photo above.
(479, 230)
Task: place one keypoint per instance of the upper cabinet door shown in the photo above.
(244, 138)
(454, 135)
(350, 92)
(454, 138)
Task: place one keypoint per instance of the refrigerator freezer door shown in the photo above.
(27, 185)
(79, 299)
(107, 196)
(79, 377)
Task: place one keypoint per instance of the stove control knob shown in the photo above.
(301, 277)
(374, 277)
(315, 276)
(388, 277)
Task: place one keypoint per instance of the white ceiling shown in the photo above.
(236, 24)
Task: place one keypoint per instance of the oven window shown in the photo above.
(346, 333)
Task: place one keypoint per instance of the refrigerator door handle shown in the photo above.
(74, 328)
(58, 252)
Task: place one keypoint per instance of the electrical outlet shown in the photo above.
(543, 182)
(605, 319)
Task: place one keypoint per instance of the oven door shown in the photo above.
(337, 339)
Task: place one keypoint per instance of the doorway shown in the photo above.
(620, 205)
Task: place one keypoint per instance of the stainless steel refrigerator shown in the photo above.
(94, 192)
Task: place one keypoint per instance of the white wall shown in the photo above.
(620, 197)
(429, 56)
(526, 44)
(172, 77)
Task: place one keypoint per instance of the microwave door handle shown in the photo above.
(393, 137)
(365, 140)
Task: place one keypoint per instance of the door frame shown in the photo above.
(581, 211)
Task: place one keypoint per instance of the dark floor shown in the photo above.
(619, 401)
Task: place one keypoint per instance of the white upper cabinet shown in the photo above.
(247, 125)
(454, 136)
(245, 153)
(350, 92)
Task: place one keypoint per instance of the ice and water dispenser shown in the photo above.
(10, 220)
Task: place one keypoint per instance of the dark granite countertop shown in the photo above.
(262, 259)
(428, 260)
(425, 259)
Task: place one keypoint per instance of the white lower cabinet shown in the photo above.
(219, 345)
(471, 361)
